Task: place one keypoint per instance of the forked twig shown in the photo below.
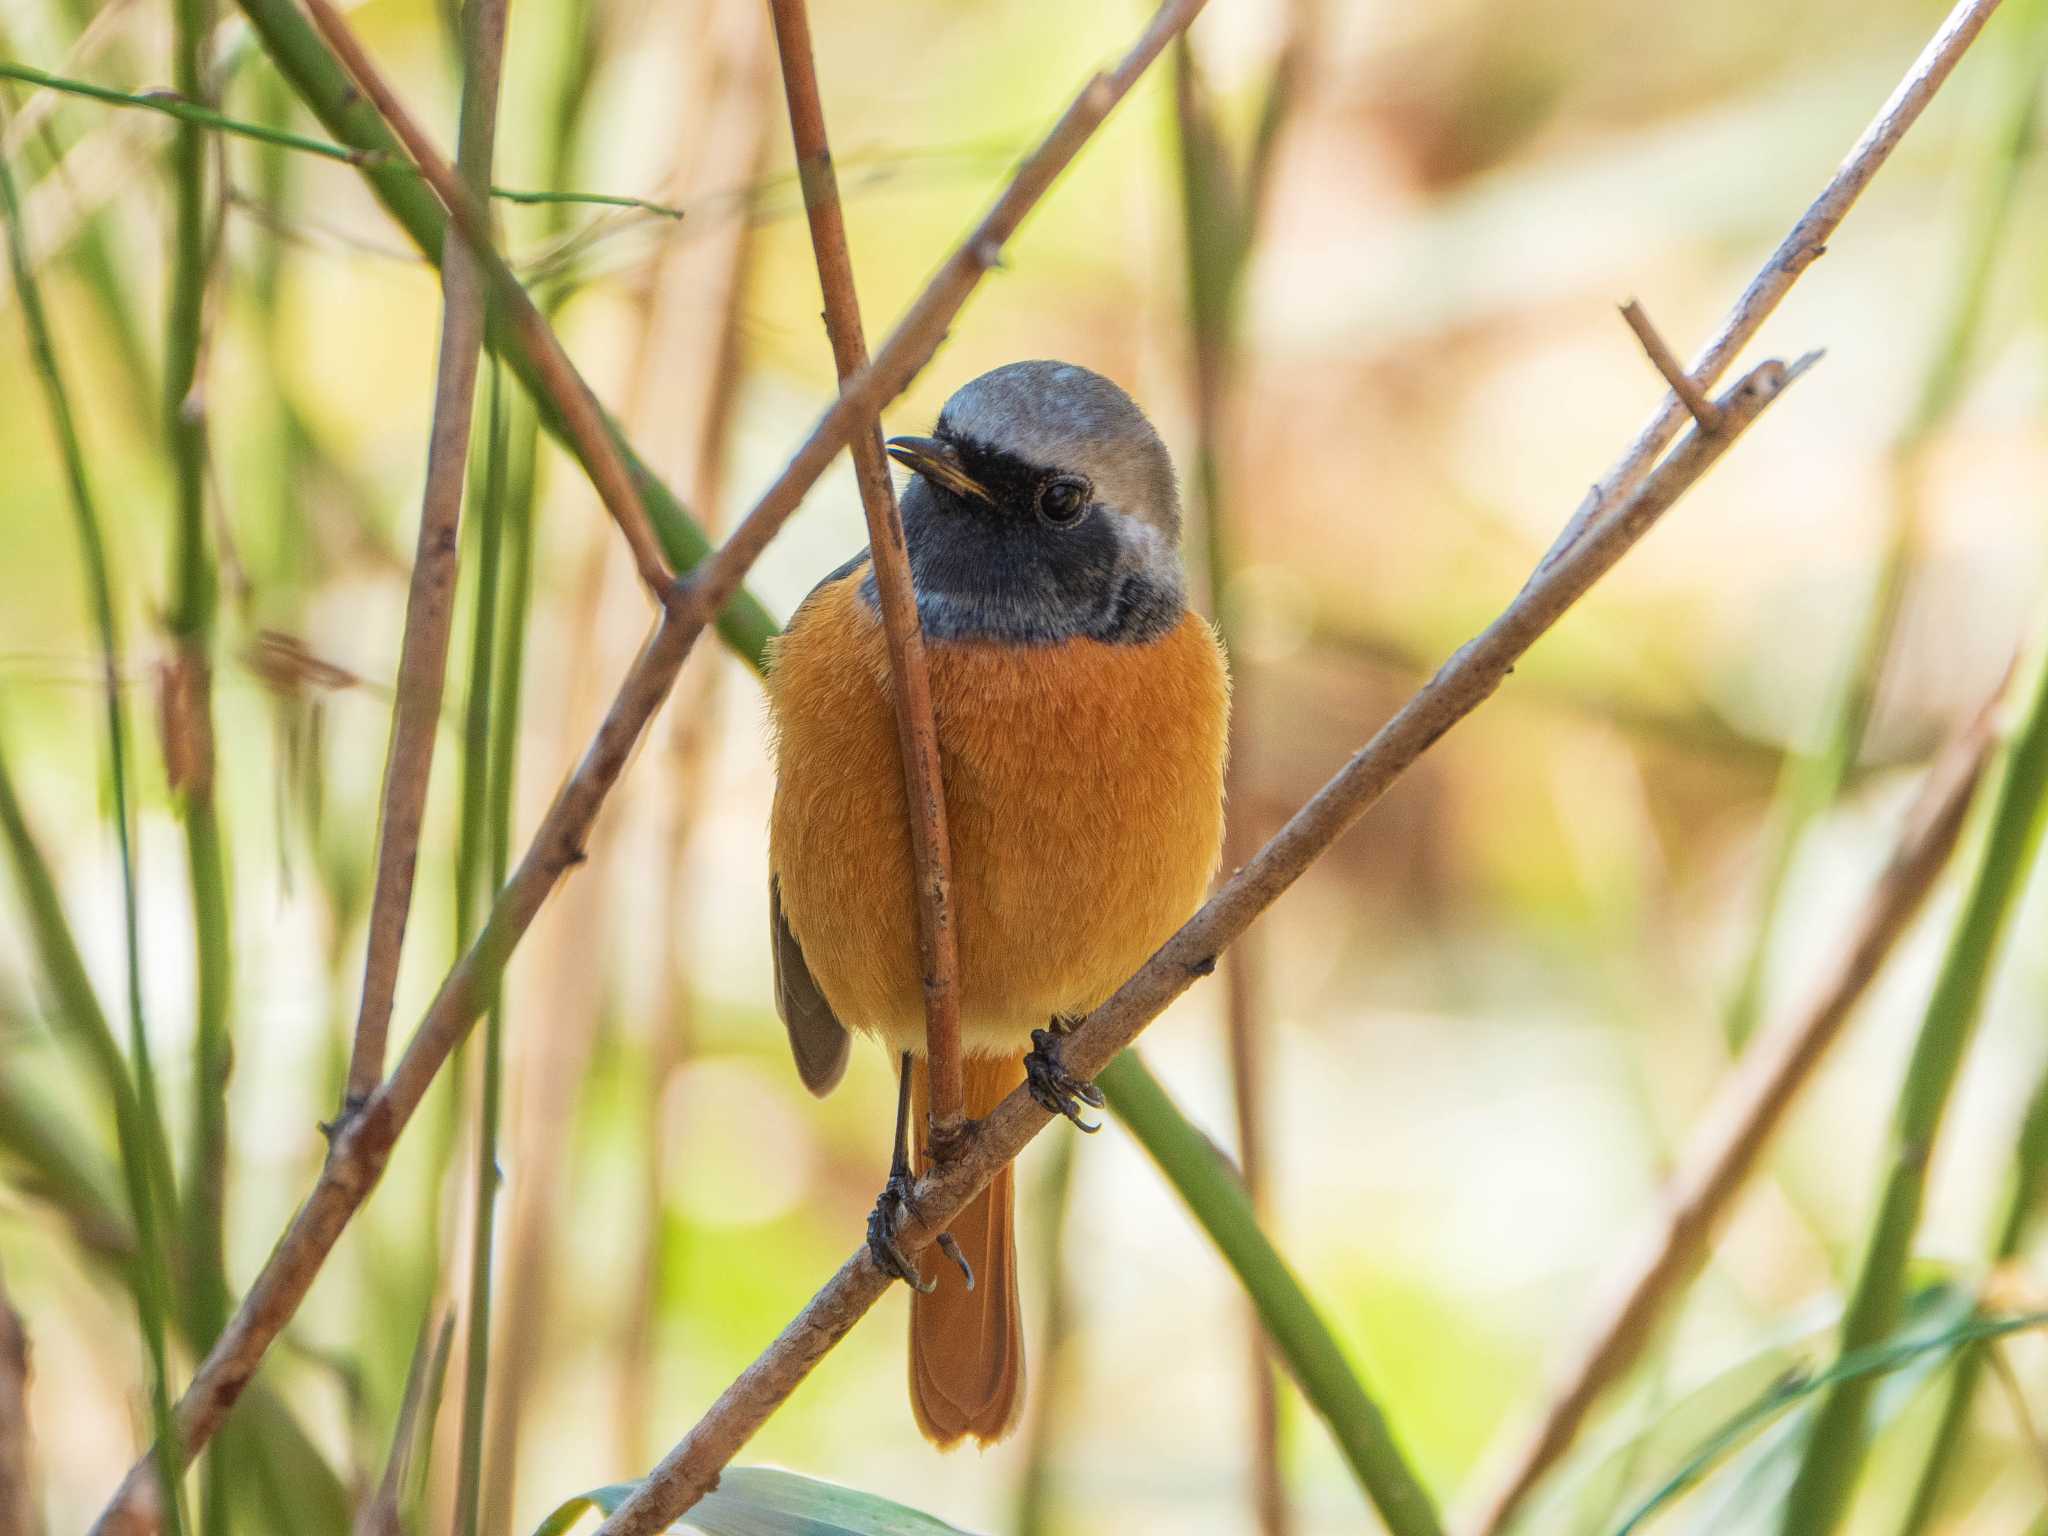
(1666, 362)
(362, 1145)
(909, 677)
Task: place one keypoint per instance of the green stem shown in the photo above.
(482, 27)
(190, 616)
(490, 735)
(2025, 1185)
(1834, 1451)
(1217, 1199)
(320, 81)
(177, 106)
(138, 1115)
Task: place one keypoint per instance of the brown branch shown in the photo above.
(362, 1144)
(917, 738)
(1746, 1111)
(1697, 405)
(1795, 253)
(566, 388)
(17, 1484)
(1465, 682)
(430, 605)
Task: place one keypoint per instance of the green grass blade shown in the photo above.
(1218, 1201)
(2025, 1186)
(2011, 835)
(1861, 1367)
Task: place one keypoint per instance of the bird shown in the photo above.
(1082, 713)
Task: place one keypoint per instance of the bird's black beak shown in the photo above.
(938, 463)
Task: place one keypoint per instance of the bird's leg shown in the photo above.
(1057, 1089)
(893, 1206)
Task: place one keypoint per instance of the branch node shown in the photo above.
(1703, 410)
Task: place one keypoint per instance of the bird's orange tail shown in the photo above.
(967, 1347)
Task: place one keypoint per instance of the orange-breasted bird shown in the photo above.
(1082, 710)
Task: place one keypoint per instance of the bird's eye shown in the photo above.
(1062, 499)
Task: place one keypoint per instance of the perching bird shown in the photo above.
(1081, 711)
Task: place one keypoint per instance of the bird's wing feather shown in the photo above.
(817, 1039)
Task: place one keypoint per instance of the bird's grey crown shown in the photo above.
(1065, 417)
(999, 573)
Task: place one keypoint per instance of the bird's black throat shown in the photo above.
(999, 572)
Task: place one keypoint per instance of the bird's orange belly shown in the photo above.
(1084, 799)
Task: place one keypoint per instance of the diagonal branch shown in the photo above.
(362, 1145)
(1465, 682)
(910, 680)
(430, 606)
(1745, 1113)
(582, 416)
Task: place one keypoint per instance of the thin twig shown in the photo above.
(1465, 682)
(361, 1147)
(1798, 251)
(917, 739)
(1746, 1111)
(581, 413)
(430, 605)
(1667, 363)
(171, 104)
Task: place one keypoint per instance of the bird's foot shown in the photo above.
(1052, 1085)
(893, 1208)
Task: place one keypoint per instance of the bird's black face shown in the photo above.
(1022, 553)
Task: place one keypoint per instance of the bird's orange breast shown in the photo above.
(1084, 801)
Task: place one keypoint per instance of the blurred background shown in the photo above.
(1485, 1022)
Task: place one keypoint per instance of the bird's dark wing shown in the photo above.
(817, 1039)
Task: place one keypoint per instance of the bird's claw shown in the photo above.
(1053, 1086)
(892, 1209)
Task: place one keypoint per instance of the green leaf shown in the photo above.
(1874, 1361)
(763, 1501)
